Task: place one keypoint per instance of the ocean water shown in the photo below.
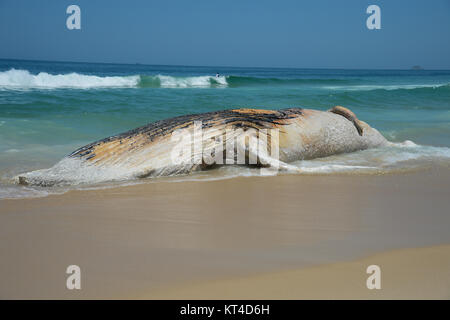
(49, 109)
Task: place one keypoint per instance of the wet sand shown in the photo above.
(418, 273)
(256, 236)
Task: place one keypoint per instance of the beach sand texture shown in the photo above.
(287, 236)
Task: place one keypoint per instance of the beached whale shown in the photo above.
(156, 149)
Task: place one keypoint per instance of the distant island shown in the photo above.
(416, 68)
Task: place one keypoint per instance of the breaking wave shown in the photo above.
(162, 81)
(14, 79)
(23, 79)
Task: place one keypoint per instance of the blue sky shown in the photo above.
(308, 34)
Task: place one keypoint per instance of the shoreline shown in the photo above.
(413, 273)
(139, 240)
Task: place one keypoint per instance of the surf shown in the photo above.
(165, 81)
(23, 79)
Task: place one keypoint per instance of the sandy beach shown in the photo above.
(288, 236)
(199, 150)
(419, 273)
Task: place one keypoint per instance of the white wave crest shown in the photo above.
(191, 82)
(23, 79)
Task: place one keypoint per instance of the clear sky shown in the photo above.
(276, 33)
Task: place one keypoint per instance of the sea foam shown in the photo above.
(23, 79)
(191, 82)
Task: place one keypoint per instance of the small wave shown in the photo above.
(231, 81)
(387, 87)
(19, 192)
(242, 81)
(391, 158)
(164, 81)
(23, 79)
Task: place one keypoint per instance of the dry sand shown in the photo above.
(260, 237)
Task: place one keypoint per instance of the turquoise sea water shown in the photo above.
(48, 109)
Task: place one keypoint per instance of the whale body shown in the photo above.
(149, 150)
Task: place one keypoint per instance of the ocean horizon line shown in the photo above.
(213, 66)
